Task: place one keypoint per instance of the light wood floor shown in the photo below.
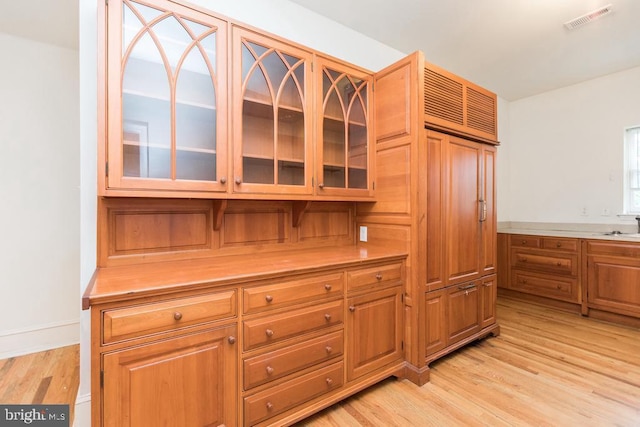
(547, 368)
(50, 377)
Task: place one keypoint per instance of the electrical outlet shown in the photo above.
(584, 211)
(363, 233)
(605, 212)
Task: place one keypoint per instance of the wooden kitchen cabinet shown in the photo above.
(436, 197)
(344, 162)
(545, 266)
(375, 331)
(272, 115)
(613, 277)
(185, 381)
(166, 85)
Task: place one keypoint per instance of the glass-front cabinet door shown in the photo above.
(343, 158)
(272, 123)
(167, 98)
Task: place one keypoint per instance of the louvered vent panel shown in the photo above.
(481, 111)
(443, 97)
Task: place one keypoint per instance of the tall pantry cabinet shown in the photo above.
(436, 157)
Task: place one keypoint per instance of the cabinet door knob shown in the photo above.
(268, 298)
(329, 382)
(269, 333)
(328, 349)
(327, 317)
(352, 308)
(177, 315)
(558, 244)
(269, 406)
(379, 276)
(238, 180)
(269, 370)
(327, 287)
(231, 340)
(223, 180)
(321, 186)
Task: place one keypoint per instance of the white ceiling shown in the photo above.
(49, 21)
(515, 48)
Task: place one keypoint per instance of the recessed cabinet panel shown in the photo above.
(272, 116)
(167, 98)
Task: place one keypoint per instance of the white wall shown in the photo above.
(503, 160)
(279, 17)
(39, 197)
(566, 151)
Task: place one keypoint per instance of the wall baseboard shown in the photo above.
(82, 411)
(40, 338)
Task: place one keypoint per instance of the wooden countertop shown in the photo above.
(134, 281)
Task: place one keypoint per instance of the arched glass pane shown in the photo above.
(196, 28)
(146, 113)
(173, 38)
(275, 69)
(131, 26)
(357, 146)
(290, 96)
(257, 142)
(195, 120)
(148, 13)
(256, 86)
(334, 143)
(291, 143)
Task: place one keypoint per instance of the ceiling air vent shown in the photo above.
(591, 16)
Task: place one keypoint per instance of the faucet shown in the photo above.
(638, 219)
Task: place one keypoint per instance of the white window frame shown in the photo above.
(632, 170)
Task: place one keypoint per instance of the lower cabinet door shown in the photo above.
(463, 314)
(188, 381)
(374, 331)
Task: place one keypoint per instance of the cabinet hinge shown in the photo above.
(312, 182)
(312, 67)
(106, 169)
(101, 379)
(402, 345)
(374, 185)
(106, 2)
(401, 297)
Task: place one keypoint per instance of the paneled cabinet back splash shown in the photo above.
(150, 230)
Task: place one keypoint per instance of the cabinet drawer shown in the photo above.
(553, 263)
(278, 399)
(561, 288)
(270, 329)
(525, 241)
(560, 244)
(373, 276)
(292, 292)
(277, 364)
(126, 323)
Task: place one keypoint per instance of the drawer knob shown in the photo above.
(559, 264)
(231, 340)
(269, 333)
(524, 281)
(327, 287)
(329, 382)
(177, 315)
(269, 406)
(268, 298)
(524, 242)
(558, 244)
(523, 259)
(269, 370)
(328, 349)
(379, 276)
(352, 308)
(327, 317)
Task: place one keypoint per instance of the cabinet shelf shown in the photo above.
(333, 122)
(165, 99)
(263, 108)
(164, 147)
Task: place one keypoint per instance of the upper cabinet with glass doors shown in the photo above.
(343, 159)
(167, 97)
(272, 116)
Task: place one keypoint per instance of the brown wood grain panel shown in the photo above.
(393, 106)
(333, 221)
(256, 224)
